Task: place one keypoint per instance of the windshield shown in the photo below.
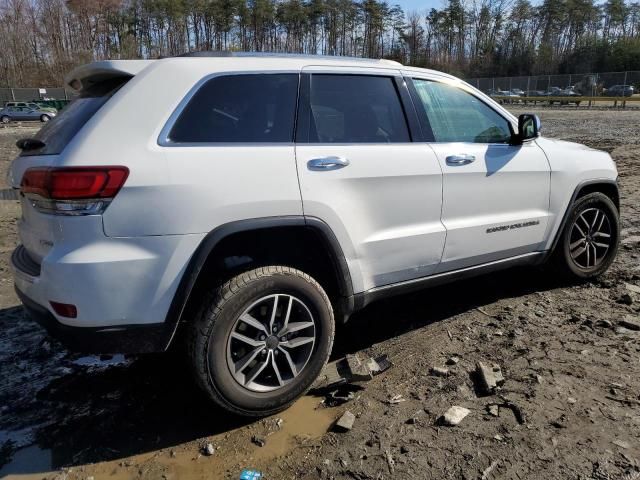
(60, 130)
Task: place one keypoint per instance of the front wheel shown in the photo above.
(4, 119)
(589, 241)
(44, 118)
(261, 340)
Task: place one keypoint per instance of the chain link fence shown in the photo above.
(31, 94)
(587, 84)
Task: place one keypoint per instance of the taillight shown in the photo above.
(73, 190)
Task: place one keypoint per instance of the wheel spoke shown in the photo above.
(247, 359)
(578, 253)
(582, 234)
(595, 219)
(256, 370)
(292, 366)
(588, 256)
(601, 245)
(297, 342)
(595, 255)
(576, 244)
(585, 221)
(295, 327)
(601, 235)
(276, 370)
(273, 312)
(249, 320)
(247, 340)
(602, 219)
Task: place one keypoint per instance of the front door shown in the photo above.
(495, 195)
(360, 172)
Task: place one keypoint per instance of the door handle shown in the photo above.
(464, 159)
(327, 163)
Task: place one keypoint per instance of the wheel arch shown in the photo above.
(309, 229)
(608, 187)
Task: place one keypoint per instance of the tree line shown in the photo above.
(41, 40)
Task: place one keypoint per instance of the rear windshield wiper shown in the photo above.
(26, 144)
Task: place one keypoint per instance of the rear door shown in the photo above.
(361, 173)
(495, 195)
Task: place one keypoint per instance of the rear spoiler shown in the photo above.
(86, 75)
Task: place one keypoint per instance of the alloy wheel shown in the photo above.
(590, 238)
(271, 342)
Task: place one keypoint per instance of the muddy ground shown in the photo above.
(569, 408)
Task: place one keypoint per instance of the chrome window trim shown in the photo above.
(163, 137)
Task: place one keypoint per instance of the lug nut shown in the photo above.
(262, 338)
(283, 339)
(264, 352)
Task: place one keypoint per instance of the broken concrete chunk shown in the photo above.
(356, 369)
(630, 324)
(452, 361)
(494, 410)
(209, 449)
(632, 288)
(439, 372)
(259, 441)
(455, 415)
(490, 378)
(345, 422)
(603, 323)
(622, 444)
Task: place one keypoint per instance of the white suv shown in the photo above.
(246, 203)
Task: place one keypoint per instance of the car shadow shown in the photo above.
(87, 415)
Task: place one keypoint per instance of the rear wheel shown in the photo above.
(44, 118)
(589, 241)
(262, 339)
(4, 119)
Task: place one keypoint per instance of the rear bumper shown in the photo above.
(118, 339)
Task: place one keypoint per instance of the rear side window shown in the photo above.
(240, 109)
(457, 116)
(60, 130)
(355, 109)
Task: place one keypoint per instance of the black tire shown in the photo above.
(44, 118)
(4, 119)
(562, 258)
(208, 338)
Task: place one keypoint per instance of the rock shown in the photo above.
(258, 440)
(490, 378)
(404, 450)
(209, 449)
(494, 410)
(539, 379)
(454, 415)
(439, 372)
(630, 324)
(452, 361)
(625, 299)
(632, 288)
(346, 421)
(631, 239)
(357, 369)
(622, 444)
(571, 400)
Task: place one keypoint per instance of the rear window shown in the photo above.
(60, 130)
(254, 108)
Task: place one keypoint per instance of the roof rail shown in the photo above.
(228, 53)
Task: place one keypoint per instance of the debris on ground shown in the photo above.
(630, 324)
(452, 361)
(395, 399)
(346, 421)
(351, 369)
(454, 415)
(439, 372)
(489, 378)
(249, 474)
(493, 410)
(259, 440)
(209, 449)
(487, 471)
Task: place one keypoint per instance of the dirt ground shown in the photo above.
(569, 407)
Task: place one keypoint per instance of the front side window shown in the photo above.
(239, 108)
(457, 116)
(355, 109)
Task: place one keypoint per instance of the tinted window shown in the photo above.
(240, 108)
(59, 131)
(356, 109)
(457, 116)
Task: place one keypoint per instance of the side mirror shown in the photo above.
(528, 127)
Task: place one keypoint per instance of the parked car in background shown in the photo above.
(566, 95)
(517, 91)
(15, 114)
(32, 105)
(619, 91)
(537, 93)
